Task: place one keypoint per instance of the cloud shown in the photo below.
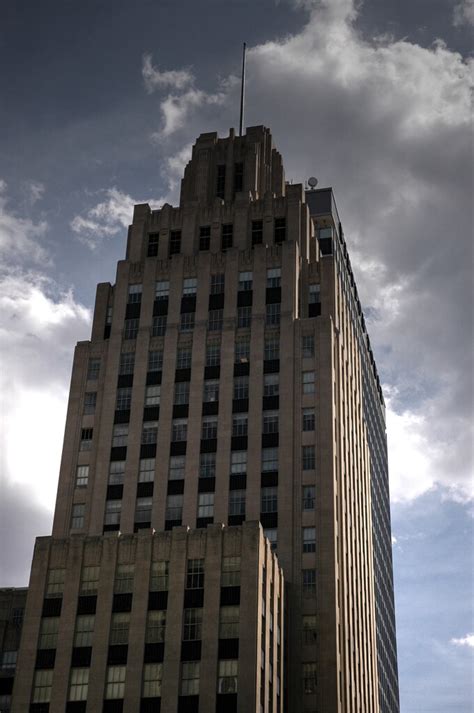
(176, 109)
(467, 640)
(463, 13)
(20, 237)
(154, 79)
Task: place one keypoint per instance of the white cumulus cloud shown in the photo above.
(463, 13)
(20, 237)
(467, 640)
(155, 79)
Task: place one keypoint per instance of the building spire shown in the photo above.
(242, 90)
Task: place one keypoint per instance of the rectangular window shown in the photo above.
(162, 290)
(272, 314)
(155, 627)
(227, 676)
(242, 351)
(309, 379)
(115, 682)
(238, 177)
(120, 435)
(155, 360)
(176, 467)
(134, 294)
(143, 508)
(127, 363)
(93, 369)
(149, 432)
(84, 630)
(309, 493)
(152, 678)
(211, 390)
(195, 574)
(272, 348)
(308, 457)
(82, 476)
(183, 358)
(181, 393)
(213, 354)
(189, 285)
(308, 419)
(273, 277)
(230, 576)
(227, 236)
(271, 384)
(206, 505)
(217, 283)
(86, 439)
(77, 516)
(207, 465)
(42, 685)
(279, 233)
(257, 232)
(153, 242)
(158, 328)
(179, 431)
(124, 575)
(271, 533)
(244, 317)
(238, 462)
(241, 387)
(78, 684)
(192, 624)
(130, 330)
(124, 399)
(309, 678)
(214, 323)
(269, 500)
(209, 428)
(270, 422)
(229, 620)
(113, 508)
(108, 316)
(314, 296)
(48, 636)
(119, 626)
(159, 576)
(89, 580)
(186, 322)
(90, 399)
(309, 539)
(269, 460)
(204, 237)
(174, 507)
(309, 629)
(190, 677)
(245, 281)
(237, 502)
(55, 582)
(220, 181)
(240, 424)
(152, 395)
(116, 472)
(175, 242)
(308, 345)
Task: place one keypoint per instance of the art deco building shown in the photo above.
(229, 379)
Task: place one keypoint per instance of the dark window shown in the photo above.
(159, 326)
(155, 360)
(183, 359)
(279, 230)
(220, 183)
(308, 345)
(244, 317)
(308, 497)
(130, 329)
(257, 232)
(308, 419)
(175, 242)
(153, 240)
(213, 354)
(93, 369)
(272, 315)
(207, 465)
(214, 323)
(309, 458)
(238, 177)
(217, 283)
(86, 439)
(205, 237)
(227, 236)
(90, 399)
(127, 363)
(195, 574)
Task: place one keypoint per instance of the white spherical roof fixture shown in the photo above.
(312, 182)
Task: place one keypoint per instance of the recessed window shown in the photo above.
(86, 439)
(242, 351)
(130, 330)
(272, 348)
(308, 345)
(127, 363)
(195, 574)
(213, 354)
(93, 369)
(109, 315)
(152, 679)
(215, 320)
(270, 422)
(55, 582)
(155, 627)
(211, 390)
(238, 177)
(181, 393)
(240, 424)
(244, 317)
(115, 682)
(309, 381)
(204, 237)
(124, 399)
(42, 685)
(309, 493)
(274, 277)
(207, 465)
(314, 296)
(309, 678)
(89, 580)
(309, 539)
(269, 500)
(220, 181)
(308, 457)
(90, 399)
(229, 620)
(279, 230)
(149, 432)
(119, 626)
(272, 314)
(77, 516)
(269, 460)
(183, 358)
(124, 575)
(241, 387)
(116, 472)
(82, 476)
(186, 323)
(238, 462)
(309, 629)
(206, 505)
(113, 509)
(176, 467)
(179, 431)
(158, 328)
(189, 285)
(159, 576)
(257, 232)
(155, 360)
(175, 242)
(120, 435)
(227, 236)
(271, 533)
(134, 294)
(152, 395)
(162, 290)
(143, 508)
(245, 281)
(48, 636)
(230, 576)
(153, 242)
(190, 672)
(209, 428)
(271, 385)
(237, 502)
(174, 507)
(308, 419)
(227, 676)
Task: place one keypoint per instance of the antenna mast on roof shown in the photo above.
(242, 90)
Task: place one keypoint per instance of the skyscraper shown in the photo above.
(229, 379)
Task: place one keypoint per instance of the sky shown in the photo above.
(100, 104)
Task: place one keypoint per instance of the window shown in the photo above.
(314, 294)
(309, 677)
(158, 328)
(174, 507)
(309, 494)
(176, 467)
(162, 290)
(108, 315)
(116, 472)
(213, 354)
(230, 576)
(244, 317)
(309, 539)
(113, 508)
(149, 432)
(209, 428)
(115, 682)
(143, 509)
(279, 230)
(179, 431)
(240, 424)
(227, 236)
(186, 323)
(124, 578)
(308, 419)
(271, 533)
(257, 232)
(192, 625)
(207, 465)
(308, 345)
(93, 369)
(308, 457)
(309, 629)
(153, 242)
(195, 574)
(241, 387)
(120, 435)
(48, 636)
(183, 358)
(308, 382)
(127, 363)
(89, 580)
(220, 181)
(159, 576)
(181, 393)
(245, 281)
(227, 676)
(124, 399)
(309, 582)
(84, 630)
(272, 314)
(206, 505)
(77, 516)
(189, 285)
(242, 351)
(272, 348)
(274, 277)
(155, 360)
(17, 616)
(42, 685)
(237, 502)
(146, 470)
(86, 439)
(211, 390)
(134, 294)
(82, 476)
(269, 459)
(55, 582)
(130, 330)
(270, 422)
(217, 283)
(238, 462)
(90, 398)
(204, 237)
(269, 500)
(238, 177)
(152, 395)
(229, 618)
(214, 323)
(190, 677)
(78, 684)
(271, 384)
(8, 663)
(175, 242)
(119, 626)
(152, 677)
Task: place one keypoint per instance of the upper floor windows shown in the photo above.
(205, 237)
(230, 576)
(77, 516)
(134, 294)
(308, 345)
(273, 277)
(124, 398)
(152, 395)
(271, 384)
(309, 382)
(245, 281)
(314, 294)
(238, 177)
(227, 236)
(309, 420)
(215, 320)
(90, 399)
(127, 363)
(175, 242)
(149, 432)
(213, 354)
(242, 351)
(162, 290)
(177, 467)
(211, 390)
(179, 429)
(55, 582)
(86, 439)
(155, 360)
(120, 435)
(153, 242)
(130, 330)
(272, 314)
(159, 325)
(190, 286)
(195, 574)
(82, 476)
(257, 232)
(220, 181)
(244, 317)
(93, 368)
(241, 387)
(279, 230)
(272, 348)
(183, 358)
(217, 283)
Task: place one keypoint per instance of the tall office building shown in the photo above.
(229, 380)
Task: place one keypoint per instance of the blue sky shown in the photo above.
(100, 105)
